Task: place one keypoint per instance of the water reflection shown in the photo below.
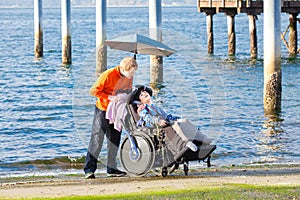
(273, 125)
(271, 145)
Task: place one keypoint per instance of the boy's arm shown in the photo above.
(149, 120)
(165, 115)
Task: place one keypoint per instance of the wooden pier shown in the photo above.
(252, 9)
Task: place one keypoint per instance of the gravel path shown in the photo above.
(77, 186)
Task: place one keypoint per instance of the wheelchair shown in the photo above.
(144, 149)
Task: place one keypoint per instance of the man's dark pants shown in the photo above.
(100, 128)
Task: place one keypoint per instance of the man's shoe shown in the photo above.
(115, 173)
(90, 175)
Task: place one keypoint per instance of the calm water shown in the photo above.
(46, 111)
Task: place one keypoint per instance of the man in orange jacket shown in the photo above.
(109, 84)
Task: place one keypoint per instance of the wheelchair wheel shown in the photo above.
(164, 171)
(143, 164)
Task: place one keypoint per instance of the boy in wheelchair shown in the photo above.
(152, 116)
(157, 139)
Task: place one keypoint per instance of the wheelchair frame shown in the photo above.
(144, 149)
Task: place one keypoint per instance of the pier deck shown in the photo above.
(245, 6)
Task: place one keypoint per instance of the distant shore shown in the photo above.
(93, 6)
(76, 185)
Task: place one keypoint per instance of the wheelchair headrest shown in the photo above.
(131, 98)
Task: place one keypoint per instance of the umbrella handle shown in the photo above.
(134, 56)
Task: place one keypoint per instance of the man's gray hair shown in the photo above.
(128, 63)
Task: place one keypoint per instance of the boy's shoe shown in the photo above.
(90, 175)
(115, 173)
(191, 146)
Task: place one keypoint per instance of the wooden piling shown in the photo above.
(253, 36)
(252, 8)
(38, 30)
(231, 34)
(155, 30)
(272, 57)
(293, 34)
(66, 31)
(209, 32)
(101, 49)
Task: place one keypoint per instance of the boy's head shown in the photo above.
(143, 94)
(128, 66)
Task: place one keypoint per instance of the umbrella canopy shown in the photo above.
(139, 44)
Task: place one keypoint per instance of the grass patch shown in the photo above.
(228, 191)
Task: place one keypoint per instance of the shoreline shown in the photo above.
(65, 166)
(72, 185)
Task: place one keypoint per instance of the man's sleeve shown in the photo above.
(97, 89)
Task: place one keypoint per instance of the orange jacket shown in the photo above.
(109, 83)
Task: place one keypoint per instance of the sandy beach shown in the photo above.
(60, 186)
